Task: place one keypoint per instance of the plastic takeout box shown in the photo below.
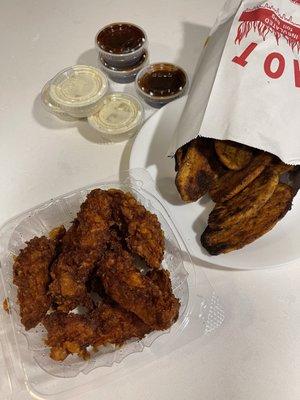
(26, 357)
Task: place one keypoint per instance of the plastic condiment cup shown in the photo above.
(125, 49)
(160, 83)
(78, 90)
(124, 74)
(52, 107)
(119, 117)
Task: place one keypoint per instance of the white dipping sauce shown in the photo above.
(78, 90)
(119, 117)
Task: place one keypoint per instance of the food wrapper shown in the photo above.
(246, 86)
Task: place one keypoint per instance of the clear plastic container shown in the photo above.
(121, 44)
(27, 361)
(160, 83)
(119, 117)
(78, 90)
(123, 74)
(52, 107)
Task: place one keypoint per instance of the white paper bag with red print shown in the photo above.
(246, 87)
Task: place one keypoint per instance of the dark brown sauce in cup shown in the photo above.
(162, 80)
(127, 68)
(120, 38)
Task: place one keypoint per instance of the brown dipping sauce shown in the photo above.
(128, 68)
(120, 38)
(162, 80)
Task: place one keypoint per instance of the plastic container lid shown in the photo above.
(121, 43)
(51, 106)
(160, 83)
(124, 74)
(120, 38)
(119, 117)
(78, 89)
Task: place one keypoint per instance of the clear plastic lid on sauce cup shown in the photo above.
(78, 90)
(124, 74)
(119, 117)
(160, 83)
(121, 43)
(52, 107)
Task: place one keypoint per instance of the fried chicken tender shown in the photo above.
(140, 294)
(233, 182)
(74, 333)
(246, 203)
(161, 278)
(31, 275)
(217, 241)
(142, 230)
(82, 246)
(233, 155)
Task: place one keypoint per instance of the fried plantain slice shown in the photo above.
(246, 203)
(233, 155)
(231, 183)
(238, 235)
(195, 175)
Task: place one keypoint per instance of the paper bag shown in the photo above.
(246, 87)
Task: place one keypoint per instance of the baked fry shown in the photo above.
(281, 168)
(246, 203)
(237, 236)
(233, 155)
(234, 182)
(195, 175)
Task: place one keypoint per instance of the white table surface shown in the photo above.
(256, 354)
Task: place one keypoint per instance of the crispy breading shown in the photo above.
(135, 292)
(141, 229)
(238, 235)
(31, 275)
(5, 305)
(74, 333)
(233, 155)
(68, 334)
(194, 173)
(116, 325)
(82, 246)
(57, 233)
(233, 182)
(246, 203)
(161, 278)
